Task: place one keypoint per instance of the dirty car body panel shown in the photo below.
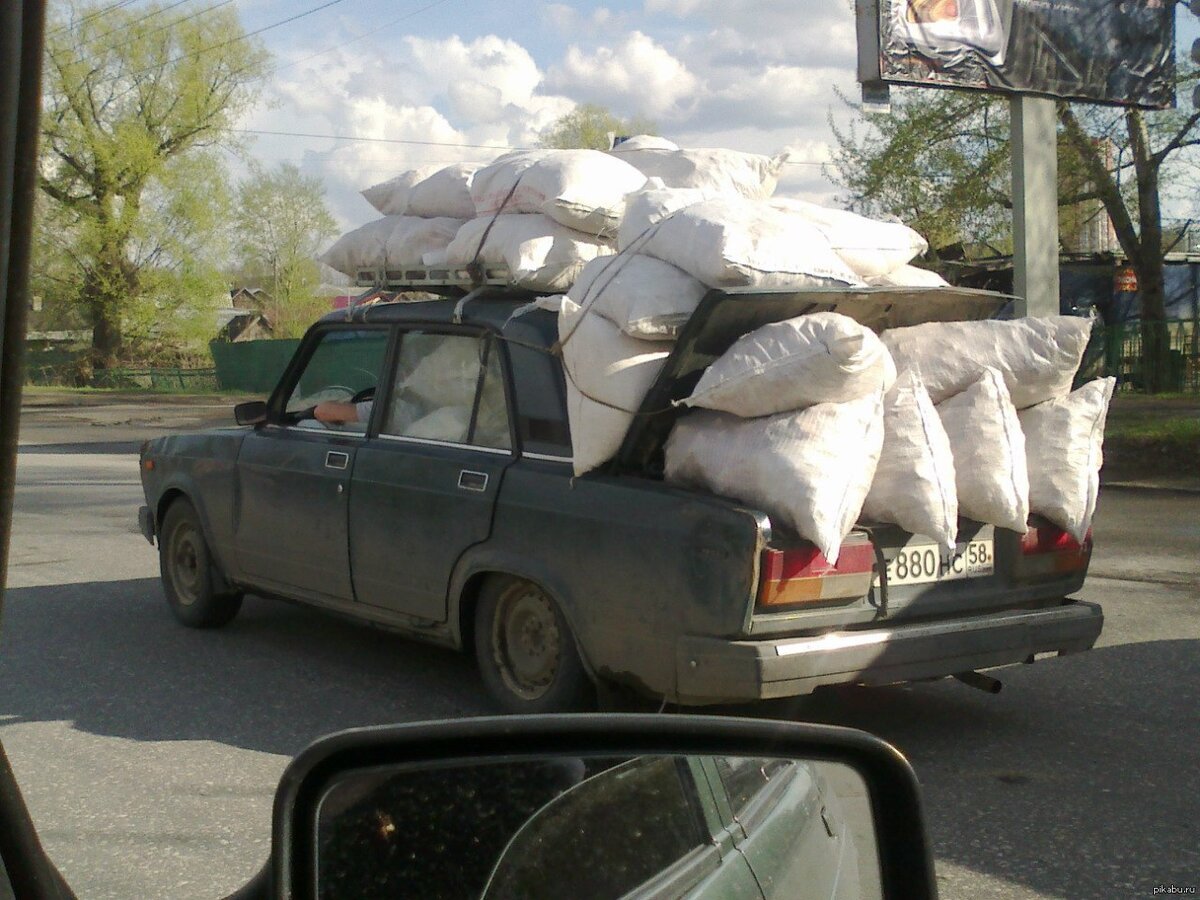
(658, 585)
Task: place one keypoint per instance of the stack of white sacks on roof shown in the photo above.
(543, 214)
(980, 421)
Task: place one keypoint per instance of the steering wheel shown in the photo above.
(367, 393)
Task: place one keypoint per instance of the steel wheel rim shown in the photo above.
(526, 641)
(184, 558)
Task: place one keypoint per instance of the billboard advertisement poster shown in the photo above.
(1103, 51)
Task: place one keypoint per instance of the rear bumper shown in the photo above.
(146, 523)
(711, 670)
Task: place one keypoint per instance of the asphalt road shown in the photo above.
(149, 753)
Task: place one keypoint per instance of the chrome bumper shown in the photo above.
(711, 670)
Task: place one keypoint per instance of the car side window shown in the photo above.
(449, 387)
(345, 367)
(744, 777)
(604, 837)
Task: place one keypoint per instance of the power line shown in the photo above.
(343, 137)
(374, 140)
(241, 37)
(371, 33)
(156, 12)
(95, 14)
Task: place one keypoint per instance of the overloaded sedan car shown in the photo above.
(439, 501)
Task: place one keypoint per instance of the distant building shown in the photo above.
(244, 319)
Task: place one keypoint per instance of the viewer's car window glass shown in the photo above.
(345, 364)
(745, 776)
(605, 837)
(438, 377)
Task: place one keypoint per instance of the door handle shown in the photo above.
(469, 480)
(336, 459)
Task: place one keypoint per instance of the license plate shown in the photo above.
(925, 563)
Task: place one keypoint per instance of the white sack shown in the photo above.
(450, 423)
(447, 375)
(985, 435)
(447, 192)
(914, 482)
(646, 142)
(390, 242)
(582, 189)
(1064, 441)
(908, 276)
(730, 242)
(809, 469)
(644, 297)
(540, 254)
(597, 431)
(722, 171)
(391, 197)
(1037, 356)
(868, 246)
(608, 374)
(822, 357)
(653, 204)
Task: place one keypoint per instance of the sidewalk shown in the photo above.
(1133, 464)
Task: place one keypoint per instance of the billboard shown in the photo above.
(1103, 51)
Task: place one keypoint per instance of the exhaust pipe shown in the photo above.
(985, 683)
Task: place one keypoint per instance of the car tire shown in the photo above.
(187, 571)
(526, 652)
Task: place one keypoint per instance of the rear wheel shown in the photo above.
(526, 652)
(187, 574)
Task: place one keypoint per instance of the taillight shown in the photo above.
(1048, 550)
(804, 575)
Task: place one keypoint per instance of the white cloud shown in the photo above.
(636, 76)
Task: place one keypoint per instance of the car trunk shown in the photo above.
(1000, 571)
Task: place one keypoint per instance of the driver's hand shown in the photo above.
(335, 412)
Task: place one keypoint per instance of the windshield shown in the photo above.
(202, 169)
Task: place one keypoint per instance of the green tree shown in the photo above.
(942, 162)
(588, 127)
(281, 222)
(134, 114)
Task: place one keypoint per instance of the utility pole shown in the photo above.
(1035, 204)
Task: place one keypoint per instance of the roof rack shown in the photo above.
(415, 278)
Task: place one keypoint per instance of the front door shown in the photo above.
(294, 475)
(424, 488)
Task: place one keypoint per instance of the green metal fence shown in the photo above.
(41, 369)
(1117, 350)
(251, 366)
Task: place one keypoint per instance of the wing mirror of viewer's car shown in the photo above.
(252, 412)
(598, 806)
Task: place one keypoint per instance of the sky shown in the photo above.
(747, 74)
(463, 79)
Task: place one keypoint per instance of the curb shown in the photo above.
(1152, 487)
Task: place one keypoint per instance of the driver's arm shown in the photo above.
(336, 412)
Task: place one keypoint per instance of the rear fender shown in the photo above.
(481, 562)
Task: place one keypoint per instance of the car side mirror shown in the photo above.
(600, 806)
(252, 412)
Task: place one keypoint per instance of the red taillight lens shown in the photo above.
(804, 575)
(1049, 539)
(1048, 550)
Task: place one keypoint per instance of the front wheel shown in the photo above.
(526, 652)
(187, 575)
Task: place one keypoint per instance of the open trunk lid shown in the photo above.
(724, 316)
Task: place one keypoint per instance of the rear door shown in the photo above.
(424, 487)
(293, 475)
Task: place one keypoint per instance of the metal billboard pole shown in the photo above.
(1035, 204)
